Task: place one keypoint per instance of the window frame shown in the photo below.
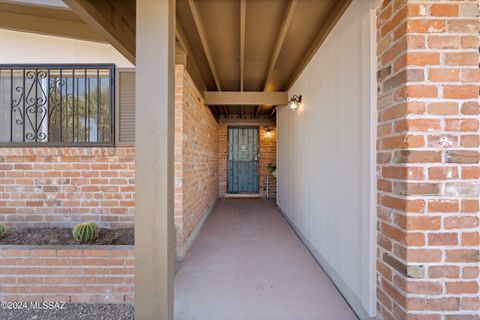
(69, 66)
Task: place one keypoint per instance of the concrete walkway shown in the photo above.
(247, 263)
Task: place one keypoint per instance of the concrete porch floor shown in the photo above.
(248, 263)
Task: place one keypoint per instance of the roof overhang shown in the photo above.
(249, 47)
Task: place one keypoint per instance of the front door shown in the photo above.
(242, 160)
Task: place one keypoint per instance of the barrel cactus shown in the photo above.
(85, 232)
(3, 230)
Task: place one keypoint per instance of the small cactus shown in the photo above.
(3, 230)
(85, 232)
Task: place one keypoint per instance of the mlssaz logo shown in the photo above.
(47, 305)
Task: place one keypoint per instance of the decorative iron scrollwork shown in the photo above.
(58, 103)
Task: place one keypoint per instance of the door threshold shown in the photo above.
(242, 195)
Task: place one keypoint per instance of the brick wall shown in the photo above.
(78, 274)
(222, 158)
(61, 186)
(268, 155)
(196, 160)
(428, 160)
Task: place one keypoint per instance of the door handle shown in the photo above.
(255, 157)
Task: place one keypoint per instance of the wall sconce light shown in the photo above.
(269, 132)
(295, 102)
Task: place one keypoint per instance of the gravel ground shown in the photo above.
(62, 236)
(73, 312)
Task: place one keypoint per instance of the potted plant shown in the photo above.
(272, 169)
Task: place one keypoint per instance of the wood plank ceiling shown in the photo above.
(228, 45)
(253, 45)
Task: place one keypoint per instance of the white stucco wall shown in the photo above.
(24, 48)
(326, 156)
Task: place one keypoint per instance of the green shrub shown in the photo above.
(271, 168)
(3, 230)
(85, 232)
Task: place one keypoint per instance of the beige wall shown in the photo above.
(326, 158)
(196, 160)
(22, 47)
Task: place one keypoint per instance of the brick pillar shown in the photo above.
(222, 158)
(428, 159)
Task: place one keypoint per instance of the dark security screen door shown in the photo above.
(243, 160)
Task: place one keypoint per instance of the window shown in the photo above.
(57, 105)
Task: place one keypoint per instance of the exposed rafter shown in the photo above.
(225, 109)
(45, 20)
(204, 39)
(243, 14)
(272, 112)
(213, 110)
(114, 20)
(180, 57)
(180, 35)
(287, 19)
(327, 26)
(257, 111)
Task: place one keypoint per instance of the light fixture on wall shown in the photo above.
(295, 102)
(269, 132)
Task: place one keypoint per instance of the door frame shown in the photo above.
(258, 155)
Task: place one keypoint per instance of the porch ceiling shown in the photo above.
(246, 45)
(228, 45)
(45, 17)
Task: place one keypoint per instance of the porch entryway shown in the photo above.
(243, 149)
(248, 263)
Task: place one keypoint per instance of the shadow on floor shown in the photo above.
(247, 263)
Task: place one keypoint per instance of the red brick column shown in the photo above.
(268, 154)
(428, 159)
(222, 158)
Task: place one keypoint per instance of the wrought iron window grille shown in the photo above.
(57, 105)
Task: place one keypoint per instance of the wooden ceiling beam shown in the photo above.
(47, 21)
(112, 19)
(204, 40)
(243, 14)
(180, 35)
(272, 112)
(327, 26)
(245, 98)
(234, 121)
(287, 19)
(181, 58)
(257, 111)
